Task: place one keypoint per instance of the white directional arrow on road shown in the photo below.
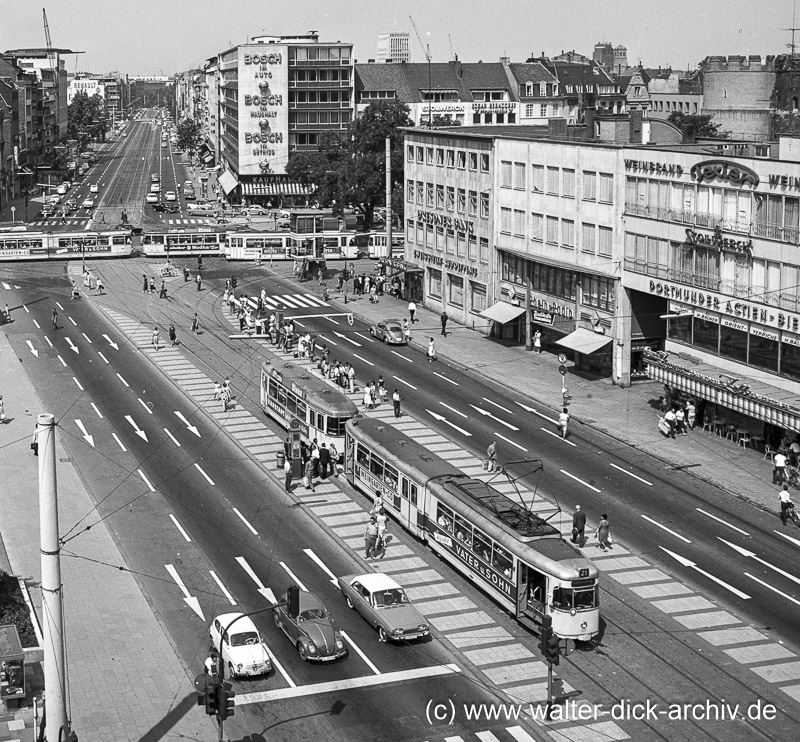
(689, 563)
(443, 419)
(187, 424)
(137, 429)
(486, 413)
(322, 566)
(752, 555)
(111, 342)
(192, 602)
(344, 337)
(33, 350)
(265, 591)
(88, 438)
(72, 345)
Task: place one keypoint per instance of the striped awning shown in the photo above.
(276, 189)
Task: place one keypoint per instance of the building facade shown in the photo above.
(394, 47)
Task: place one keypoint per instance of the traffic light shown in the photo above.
(226, 704)
(544, 634)
(212, 700)
(293, 601)
(553, 649)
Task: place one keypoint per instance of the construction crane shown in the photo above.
(427, 48)
(51, 58)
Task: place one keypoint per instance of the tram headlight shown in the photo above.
(572, 612)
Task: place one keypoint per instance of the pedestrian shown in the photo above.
(287, 474)
(669, 416)
(324, 460)
(381, 390)
(2, 410)
(367, 397)
(217, 390)
(314, 458)
(75, 293)
(7, 313)
(691, 413)
(370, 537)
(563, 422)
(319, 276)
(491, 457)
(578, 526)
(100, 287)
(54, 318)
(351, 378)
(173, 335)
(199, 281)
(151, 285)
(406, 331)
(211, 665)
(680, 421)
(156, 341)
(186, 275)
(412, 310)
(162, 293)
(381, 518)
(225, 398)
(603, 535)
(144, 283)
(431, 351)
(443, 320)
(785, 499)
(195, 324)
(396, 402)
(537, 341)
(779, 470)
(308, 479)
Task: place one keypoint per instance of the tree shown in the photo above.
(86, 117)
(321, 169)
(700, 124)
(189, 136)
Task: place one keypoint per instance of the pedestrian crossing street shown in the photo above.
(289, 301)
(195, 220)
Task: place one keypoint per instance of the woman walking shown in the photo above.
(195, 324)
(173, 335)
(431, 351)
(603, 535)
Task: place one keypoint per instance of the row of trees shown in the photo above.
(86, 119)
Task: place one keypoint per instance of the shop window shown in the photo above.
(680, 329)
(455, 293)
(435, 283)
(477, 302)
(706, 334)
(764, 351)
(790, 361)
(733, 343)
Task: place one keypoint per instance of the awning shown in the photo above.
(276, 189)
(207, 158)
(584, 341)
(227, 181)
(502, 312)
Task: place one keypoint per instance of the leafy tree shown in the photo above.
(190, 136)
(320, 169)
(14, 610)
(699, 123)
(86, 117)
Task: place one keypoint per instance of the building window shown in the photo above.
(530, 110)
(451, 158)
(473, 203)
(505, 220)
(410, 231)
(537, 227)
(519, 176)
(476, 118)
(420, 234)
(429, 195)
(606, 188)
(552, 180)
(451, 198)
(484, 163)
(473, 161)
(589, 186)
(552, 230)
(568, 234)
(519, 223)
(440, 238)
(462, 201)
(435, 282)
(472, 247)
(420, 192)
(450, 241)
(409, 151)
(484, 205)
(429, 235)
(461, 159)
(598, 292)
(568, 183)
(420, 155)
(484, 247)
(429, 155)
(461, 244)
(505, 174)
(543, 111)
(440, 156)
(604, 242)
(587, 238)
(439, 196)
(410, 191)
(537, 178)
(455, 292)
(477, 293)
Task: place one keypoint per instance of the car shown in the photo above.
(151, 198)
(167, 208)
(155, 188)
(202, 209)
(313, 631)
(94, 188)
(88, 203)
(389, 331)
(49, 210)
(256, 210)
(62, 189)
(70, 205)
(170, 196)
(155, 178)
(163, 144)
(188, 194)
(384, 604)
(282, 224)
(124, 133)
(240, 645)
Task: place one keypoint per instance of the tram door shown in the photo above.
(409, 506)
(531, 591)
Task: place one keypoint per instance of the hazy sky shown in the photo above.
(151, 37)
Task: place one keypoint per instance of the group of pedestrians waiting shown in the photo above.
(316, 461)
(602, 534)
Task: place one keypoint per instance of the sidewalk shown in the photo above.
(126, 680)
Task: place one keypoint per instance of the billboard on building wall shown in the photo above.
(90, 87)
(263, 109)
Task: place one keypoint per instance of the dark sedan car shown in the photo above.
(389, 331)
(312, 631)
(166, 207)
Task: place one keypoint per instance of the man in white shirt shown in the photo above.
(412, 310)
(779, 472)
(669, 416)
(786, 503)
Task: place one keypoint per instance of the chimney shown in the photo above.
(588, 119)
(636, 127)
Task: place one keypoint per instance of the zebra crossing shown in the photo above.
(198, 220)
(291, 301)
(49, 222)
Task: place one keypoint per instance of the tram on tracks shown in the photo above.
(289, 391)
(267, 246)
(199, 242)
(512, 554)
(30, 245)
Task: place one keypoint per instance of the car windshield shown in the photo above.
(313, 614)
(394, 596)
(245, 637)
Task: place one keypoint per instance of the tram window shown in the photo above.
(444, 517)
(336, 426)
(404, 488)
(562, 598)
(413, 494)
(376, 466)
(482, 546)
(390, 477)
(281, 396)
(584, 599)
(362, 457)
(301, 409)
(273, 389)
(501, 561)
(463, 532)
(291, 403)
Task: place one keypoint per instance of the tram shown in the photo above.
(200, 242)
(24, 245)
(512, 554)
(289, 391)
(290, 245)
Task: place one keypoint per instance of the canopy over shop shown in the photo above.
(392, 269)
(584, 341)
(502, 312)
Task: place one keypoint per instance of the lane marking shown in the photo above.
(631, 474)
(394, 352)
(724, 523)
(683, 561)
(87, 338)
(102, 356)
(752, 555)
(78, 383)
(349, 340)
(556, 435)
(174, 439)
(486, 413)
(119, 442)
(453, 409)
(368, 339)
(536, 412)
(788, 538)
(246, 522)
(47, 340)
(355, 355)
(281, 670)
(145, 405)
(770, 587)
(508, 440)
(123, 380)
(449, 381)
(62, 361)
(208, 479)
(222, 587)
(331, 319)
(293, 576)
(398, 379)
(180, 527)
(265, 592)
(58, 304)
(146, 480)
(664, 528)
(72, 320)
(364, 657)
(99, 414)
(324, 339)
(499, 406)
(322, 566)
(334, 686)
(38, 326)
(585, 484)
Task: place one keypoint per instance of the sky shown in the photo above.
(155, 37)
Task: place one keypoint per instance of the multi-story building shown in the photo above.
(394, 47)
(86, 83)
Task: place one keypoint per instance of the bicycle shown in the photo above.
(792, 515)
(792, 476)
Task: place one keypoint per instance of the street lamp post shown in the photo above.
(82, 243)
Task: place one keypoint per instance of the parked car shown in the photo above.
(389, 331)
(151, 198)
(88, 203)
(170, 196)
(94, 188)
(312, 631)
(385, 605)
(243, 650)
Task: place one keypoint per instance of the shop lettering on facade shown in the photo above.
(552, 307)
(711, 170)
(449, 265)
(784, 181)
(494, 106)
(724, 305)
(659, 168)
(444, 220)
(718, 240)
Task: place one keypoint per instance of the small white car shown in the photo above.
(240, 645)
(54, 199)
(152, 198)
(170, 196)
(88, 203)
(62, 189)
(94, 188)
(155, 188)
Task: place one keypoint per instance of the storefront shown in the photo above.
(401, 279)
(507, 320)
(275, 191)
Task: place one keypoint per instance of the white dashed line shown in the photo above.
(499, 406)
(585, 484)
(146, 480)
(119, 442)
(180, 527)
(72, 320)
(404, 382)
(244, 520)
(99, 414)
(145, 405)
(355, 355)
(556, 435)
(102, 356)
(508, 440)
(62, 361)
(222, 587)
(47, 340)
(38, 326)
(631, 474)
(449, 381)
(394, 352)
(78, 383)
(87, 338)
(664, 528)
(453, 409)
(724, 523)
(368, 339)
(174, 439)
(208, 479)
(123, 380)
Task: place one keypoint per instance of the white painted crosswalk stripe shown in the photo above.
(301, 301)
(316, 301)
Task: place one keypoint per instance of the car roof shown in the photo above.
(374, 581)
(243, 624)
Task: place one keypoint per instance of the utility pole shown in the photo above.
(388, 252)
(58, 726)
(527, 315)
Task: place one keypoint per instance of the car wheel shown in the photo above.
(277, 620)
(349, 602)
(301, 650)
(231, 673)
(382, 635)
(384, 340)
